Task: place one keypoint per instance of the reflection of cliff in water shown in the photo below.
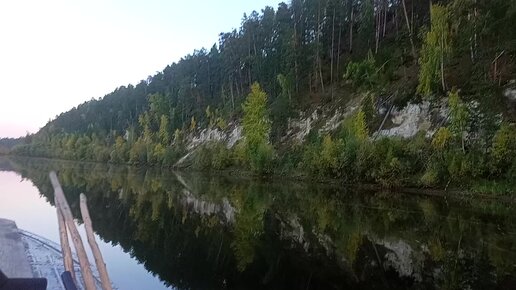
(202, 231)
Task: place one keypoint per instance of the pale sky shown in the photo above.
(56, 54)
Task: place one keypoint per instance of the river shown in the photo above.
(160, 229)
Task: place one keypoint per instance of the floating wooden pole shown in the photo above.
(101, 266)
(87, 275)
(65, 244)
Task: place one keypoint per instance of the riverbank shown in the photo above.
(502, 191)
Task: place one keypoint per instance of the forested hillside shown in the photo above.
(321, 53)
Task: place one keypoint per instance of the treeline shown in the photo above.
(6, 144)
(316, 52)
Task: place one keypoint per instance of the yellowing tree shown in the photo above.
(256, 127)
(359, 126)
(436, 48)
(164, 136)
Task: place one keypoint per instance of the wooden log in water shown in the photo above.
(101, 266)
(65, 244)
(87, 275)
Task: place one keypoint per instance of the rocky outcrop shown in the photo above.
(408, 121)
(230, 136)
(510, 91)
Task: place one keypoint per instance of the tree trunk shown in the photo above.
(442, 64)
(332, 52)
(296, 67)
(318, 55)
(351, 31)
(386, 6)
(338, 49)
(414, 55)
(377, 31)
(232, 95)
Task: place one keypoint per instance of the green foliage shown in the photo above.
(436, 49)
(213, 156)
(430, 178)
(389, 170)
(281, 108)
(120, 152)
(503, 149)
(368, 107)
(256, 123)
(359, 126)
(286, 86)
(164, 135)
(262, 158)
(363, 73)
(222, 156)
(323, 159)
(441, 139)
(215, 119)
(293, 51)
(138, 152)
(203, 158)
(459, 117)
(193, 124)
(256, 127)
(172, 155)
(145, 124)
(366, 26)
(156, 155)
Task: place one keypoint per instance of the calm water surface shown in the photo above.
(164, 230)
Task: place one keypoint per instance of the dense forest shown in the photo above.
(310, 53)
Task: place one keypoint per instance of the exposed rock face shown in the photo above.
(206, 135)
(299, 128)
(326, 120)
(208, 208)
(510, 92)
(230, 136)
(402, 257)
(409, 120)
(293, 230)
(405, 122)
(235, 136)
(337, 118)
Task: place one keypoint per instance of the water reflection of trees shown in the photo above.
(202, 231)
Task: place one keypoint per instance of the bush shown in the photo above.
(388, 172)
(172, 155)
(202, 158)
(363, 73)
(222, 156)
(503, 149)
(138, 152)
(430, 178)
(262, 159)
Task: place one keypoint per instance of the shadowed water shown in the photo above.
(201, 231)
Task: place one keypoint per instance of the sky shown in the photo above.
(57, 54)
